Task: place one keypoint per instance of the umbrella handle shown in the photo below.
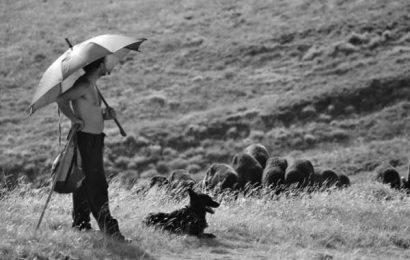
(122, 132)
(69, 43)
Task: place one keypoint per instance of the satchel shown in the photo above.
(66, 170)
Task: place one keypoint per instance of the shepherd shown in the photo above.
(81, 103)
(87, 116)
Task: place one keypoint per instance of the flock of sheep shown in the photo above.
(253, 168)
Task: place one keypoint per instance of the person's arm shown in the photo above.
(65, 108)
(109, 113)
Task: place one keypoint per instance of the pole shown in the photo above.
(69, 43)
(44, 209)
(123, 133)
(53, 184)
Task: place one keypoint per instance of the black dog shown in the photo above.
(188, 220)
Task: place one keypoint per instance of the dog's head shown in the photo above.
(202, 202)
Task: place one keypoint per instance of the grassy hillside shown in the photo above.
(324, 80)
(215, 76)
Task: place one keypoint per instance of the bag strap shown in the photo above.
(72, 134)
(59, 128)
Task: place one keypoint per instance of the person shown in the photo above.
(87, 117)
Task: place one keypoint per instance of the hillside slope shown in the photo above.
(327, 80)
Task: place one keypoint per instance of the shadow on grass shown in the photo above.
(121, 250)
(220, 243)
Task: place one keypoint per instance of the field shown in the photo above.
(323, 80)
(366, 221)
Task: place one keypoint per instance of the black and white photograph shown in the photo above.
(214, 130)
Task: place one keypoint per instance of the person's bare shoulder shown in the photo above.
(79, 89)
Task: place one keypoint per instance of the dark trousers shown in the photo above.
(92, 195)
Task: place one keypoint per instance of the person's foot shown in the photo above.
(86, 226)
(127, 241)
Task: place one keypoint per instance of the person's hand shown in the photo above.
(77, 124)
(110, 113)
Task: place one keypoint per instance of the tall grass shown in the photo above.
(204, 61)
(367, 220)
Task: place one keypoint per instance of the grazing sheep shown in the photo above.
(343, 181)
(324, 178)
(182, 178)
(274, 172)
(385, 173)
(175, 185)
(248, 168)
(177, 178)
(155, 181)
(259, 152)
(159, 181)
(299, 172)
(221, 175)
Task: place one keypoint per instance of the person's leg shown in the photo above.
(95, 183)
(81, 210)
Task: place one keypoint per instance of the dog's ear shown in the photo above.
(191, 193)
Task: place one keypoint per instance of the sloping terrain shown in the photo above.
(324, 80)
(305, 76)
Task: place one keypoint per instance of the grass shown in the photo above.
(365, 221)
(323, 80)
(202, 61)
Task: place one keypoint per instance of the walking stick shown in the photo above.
(123, 133)
(44, 209)
(71, 134)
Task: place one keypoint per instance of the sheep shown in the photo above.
(343, 181)
(299, 172)
(181, 177)
(159, 181)
(220, 175)
(248, 168)
(259, 152)
(387, 174)
(324, 178)
(177, 178)
(274, 172)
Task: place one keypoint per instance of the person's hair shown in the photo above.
(93, 65)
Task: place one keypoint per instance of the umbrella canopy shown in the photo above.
(64, 71)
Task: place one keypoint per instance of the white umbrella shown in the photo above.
(64, 71)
